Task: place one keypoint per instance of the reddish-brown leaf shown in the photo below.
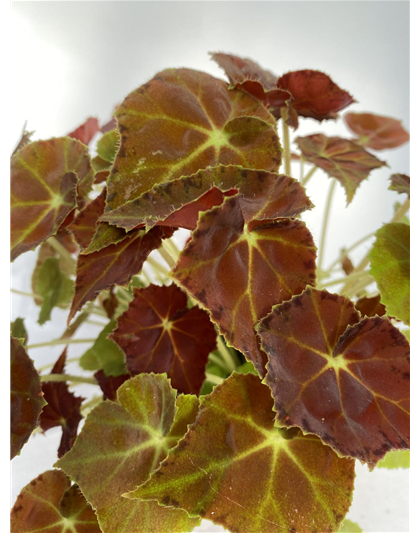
(158, 333)
(110, 384)
(63, 408)
(86, 131)
(314, 94)
(177, 203)
(347, 265)
(25, 397)
(182, 121)
(340, 158)
(343, 380)
(238, 270)
(110, 303)
(377, 132)
(400, 183)
(85, 224)
(370, 306)
(114, 265)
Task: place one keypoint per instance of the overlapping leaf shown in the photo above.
(110, 384)
(400, 183)
(158, 333)
(86, 131)
(182, 121)
(63, 409)
(393, 460)
(53, 287)
(25, 397)
(121, 444)
(390, 267)
(18, 330)
(239, 268)
(377, 132)
(45, 178)
(114, 265)
(178, 202)
(105, 354)
(370, 306)
(250, 476)
(344, 380)
(340, 158)
(49, 504)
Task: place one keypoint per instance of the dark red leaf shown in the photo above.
(370, 306)
(85, 224)
(86, 131)
(110, 303)
(110, 384)
(158, 333)
(377, 132)
(63, 408)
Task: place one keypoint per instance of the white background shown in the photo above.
(71, 60)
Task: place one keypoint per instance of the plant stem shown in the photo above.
(172, 250)
(50, 365)
(67, 377)
(215, 358)
(349, 249)
(399, 215)
(286, 142)
(157, 267)
(166, 256)
(56, 342)
(217, 380)
(23, 293)
(302, 168)
(62, 252)
(90, 404)
(327, 212)
(226, 355)
(94, 323)
(353, 276)
(309, 175)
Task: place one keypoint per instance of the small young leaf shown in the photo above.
(346, 381)
(340, 158)
(63, 408)
(121, 444)
(26, 400)
(370, 306)
(49, 504)
(105, 354)
(18, 331)
(235, 468)
(390, 267)
(53, 287)
(400, 183)
(86, 131)
(107, 146)
(158, 333)
(392, 460)
(377, 132)
(182, 121)
(238, 270)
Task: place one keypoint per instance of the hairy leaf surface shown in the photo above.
(46, 176)
(114, 265)
(121, 444)
(107, 146)
(182, 121)
(63, 408)
(377, 132)
(331, 375)
(48, 504)
(158, 333)
(340, 158)
(265, 195)
(110, 384)
(390, 267)
(238, 270)
(25, 397)
(400, 183)
(251, 477)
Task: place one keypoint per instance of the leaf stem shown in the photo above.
(226, 354)
(399, 215)
(216, 380)
(56, 342)
(353, 276)
(286, 142)
(157, 267)
(62, 252)
(50, 365)
(166, 256)
(67, 377)
(309, 175)
(90, 404)
(349, 249)
(327, 212)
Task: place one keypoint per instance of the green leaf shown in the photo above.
(390, 267)
(54, 287)
(120, 445)
(247, 368)
(18, 331)
(105, 354)
(235, 468)
(26, 400)
(107, 146)
(398, 459)
(350, 527)
(48, 504)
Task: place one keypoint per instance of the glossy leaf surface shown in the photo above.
(344, 380)
(86, 131)
(238, 270)
(63, 409)
(121, 444)
(390, 267)
(25, 397)
(340, 158)
(105, 354)
(158, 333)
(265, 195)
(114, 265)
(377, 132)
(48, 504)
(53, 287)
(251, 477)
(400, 183)
(182, 121)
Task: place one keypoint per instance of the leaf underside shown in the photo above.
(251, 477)
(377, 132)
(345, 380)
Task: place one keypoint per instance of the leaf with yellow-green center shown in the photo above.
(392, 460)
(390, 268)
(334, 375)
(182, 121)
(238, 268)
(46, 177)
(120, 445)
(250, 476)
(48, 504)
